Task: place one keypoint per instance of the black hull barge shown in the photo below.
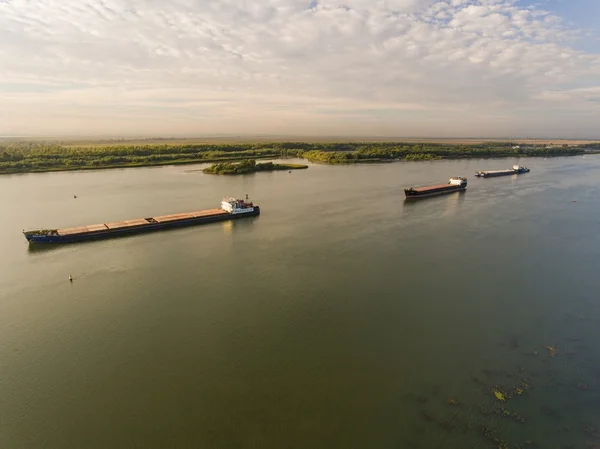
(230, 209)
(516, 170)
(455, 184)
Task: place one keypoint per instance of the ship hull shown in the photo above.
(150, 227)
(500, 173)
(437, 192)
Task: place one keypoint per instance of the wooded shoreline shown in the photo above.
(35, 156)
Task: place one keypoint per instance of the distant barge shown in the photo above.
(231, 208)
(454, 185)
(516, 170)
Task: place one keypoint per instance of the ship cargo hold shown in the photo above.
(231, 208)
(515, 170)
(454, 184)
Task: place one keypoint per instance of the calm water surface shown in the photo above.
(340, 318)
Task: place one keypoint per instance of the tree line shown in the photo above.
(248, 166)
(19, 157)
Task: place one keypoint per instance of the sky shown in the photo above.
(389, 68)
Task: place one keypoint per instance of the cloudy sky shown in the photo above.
(400, 68)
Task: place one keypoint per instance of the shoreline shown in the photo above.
(204, 161)
(43, 157)
(132, 165)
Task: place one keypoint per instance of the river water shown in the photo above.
(341, 317)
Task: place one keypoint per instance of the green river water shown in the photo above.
(341, 317)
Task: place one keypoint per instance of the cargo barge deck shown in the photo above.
(516, 170)
(231, 208)
(455, 184)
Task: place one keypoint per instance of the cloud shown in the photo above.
(395, 67)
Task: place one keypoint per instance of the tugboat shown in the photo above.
(454, 184)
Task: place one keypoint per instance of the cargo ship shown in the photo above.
(455, 184)
(231, 208)
(516, 170)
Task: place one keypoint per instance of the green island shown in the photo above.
(248, 166)
(19, 156)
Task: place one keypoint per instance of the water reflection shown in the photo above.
(231, 226)
(453, 203)
(43, 248)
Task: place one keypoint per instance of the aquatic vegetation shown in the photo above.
(499, 395)
(508, 414)
(556, 393)
(493, 373)
(453, 401)
(521, 388)
(502, 411)
(591, 431)
(486, 410)
(490, 435)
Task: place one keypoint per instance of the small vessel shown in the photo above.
(454, 184)
(515, 170)
(231, 208)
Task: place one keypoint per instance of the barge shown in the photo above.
(515, 170)
(231, 208)
(454, 184)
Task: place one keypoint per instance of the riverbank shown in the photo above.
(123, 165)
(36, 156)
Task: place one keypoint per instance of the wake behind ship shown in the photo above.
(454, 184)
(231, 208)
